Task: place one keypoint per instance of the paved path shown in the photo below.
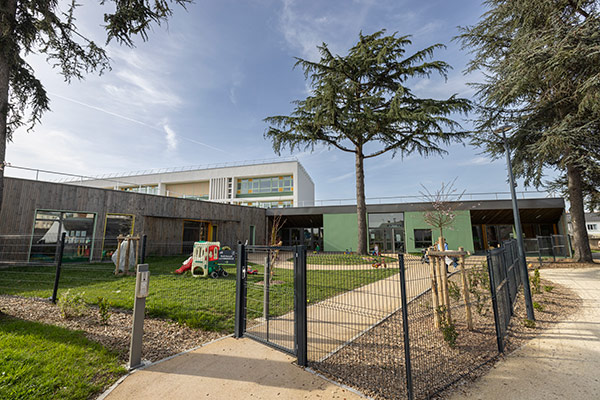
(228, 369)
(233, 368)
(563, 362)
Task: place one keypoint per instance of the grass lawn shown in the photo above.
(198, 302)
(40, 361)
(343, 259)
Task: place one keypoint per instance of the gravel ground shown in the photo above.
(162, 338)
(374, 362)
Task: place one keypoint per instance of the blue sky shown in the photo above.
(197, 92)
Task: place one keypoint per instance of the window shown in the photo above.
(422, 238)
(268, 204)
(48, 228)
(592, 227)
(115, 225)
(142, 189)
(254, 186)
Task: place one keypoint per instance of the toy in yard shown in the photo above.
(186, 266)
(251, 271)
(204, 260)
(379, 262)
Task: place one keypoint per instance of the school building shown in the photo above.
(395, 228)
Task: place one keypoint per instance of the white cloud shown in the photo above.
(342, 177)
(304, 28)
(171, 137)
(477, 161)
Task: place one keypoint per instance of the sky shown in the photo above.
(197, 92)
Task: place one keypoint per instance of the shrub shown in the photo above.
(479, 287)
(453, 291)
(535, 281)
(104, 309)
(71, 304)
(447, 327)
(527, 323)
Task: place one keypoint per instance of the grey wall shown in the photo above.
(159, 217)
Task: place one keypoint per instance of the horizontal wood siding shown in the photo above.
(159, 217)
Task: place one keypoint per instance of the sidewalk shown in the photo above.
(228, 369)
(563, 362)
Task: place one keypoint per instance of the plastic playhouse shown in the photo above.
(204, 260)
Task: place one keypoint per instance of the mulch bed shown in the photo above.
(374, 363)
(565, 263)
(162, 338)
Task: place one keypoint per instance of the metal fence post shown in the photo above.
(266, 290)
(61, 250)
(240, 292)
(494, 303)
(143, 255)
(300, 313)
(409, 384)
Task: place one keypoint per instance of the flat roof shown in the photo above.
(542, 203)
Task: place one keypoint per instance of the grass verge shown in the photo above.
(39, 361)
(198, 302)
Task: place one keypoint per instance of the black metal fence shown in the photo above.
(543, 247)
(505, 280)
(270, 297)
(176, 294)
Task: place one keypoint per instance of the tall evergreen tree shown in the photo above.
(542, 78)
(363, 97)
(40, 26)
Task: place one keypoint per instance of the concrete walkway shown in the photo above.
(231, 368)
(228, 369)
(563, 362)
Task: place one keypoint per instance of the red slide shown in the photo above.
(187, 265)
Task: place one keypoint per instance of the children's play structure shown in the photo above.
(203, 262)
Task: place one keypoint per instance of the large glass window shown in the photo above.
(152, 189)
(268, 204)
(48, 228)
(276, 184)
(423, 238)
(115, 225)
(386, 231)
(194, 231)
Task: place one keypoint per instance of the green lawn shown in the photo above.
(344, 259)
(40, 361)
(198, 302)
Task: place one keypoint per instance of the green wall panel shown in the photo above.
(458, 235)
(340, 232)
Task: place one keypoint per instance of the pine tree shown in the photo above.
(542, 78)
(41, 27)
(361, 98)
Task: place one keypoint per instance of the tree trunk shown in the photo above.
(361, 206)
(8, 26)
(581, 243)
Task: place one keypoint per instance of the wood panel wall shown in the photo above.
(159, 217)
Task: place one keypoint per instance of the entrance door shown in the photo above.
(194, 231)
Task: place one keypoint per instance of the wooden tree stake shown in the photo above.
(465, 282)
(434, 292)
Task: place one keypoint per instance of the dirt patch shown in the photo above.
(162, 338)
(375, 364)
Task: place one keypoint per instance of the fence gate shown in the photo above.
(271, 297)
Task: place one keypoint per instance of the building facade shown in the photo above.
(395, 228)
(266, 185)
(35, 214)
